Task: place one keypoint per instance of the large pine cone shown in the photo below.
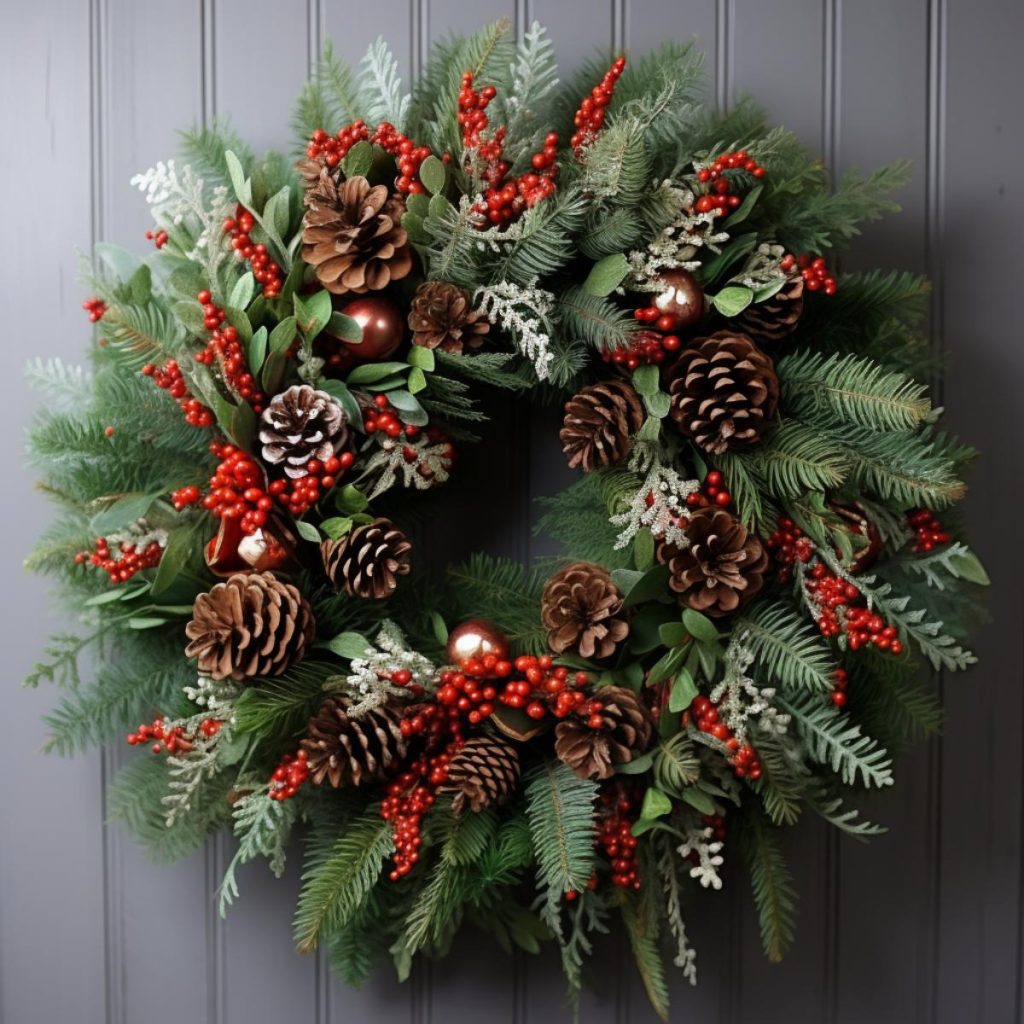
(722, 569)
(484, 773)
(582, 609)
(777, 317)
(368, 560)
(599, 424)
(724, 392)
(441, 317)
(250, 625)
(353, 236)
(301, 424)
(627, 732)
(346, 751)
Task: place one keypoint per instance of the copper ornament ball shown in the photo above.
(681, 298)
(382, 324)
(476, 638)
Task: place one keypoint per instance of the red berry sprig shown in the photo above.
(225, 350)
(300, 495)
(238, 488)
(95, 308)
(615, 837)
(169, 378)
(645, 348)
(713, 492)
(928, 531)
(289, 776)
(173, 740)
(813, 270)
(789, 544)
(658, 321)
(838, 694)
(720, 199)
(159, 237)
(589, 118)
(264, 269)
(407, 154)
(185, 496)
(743, 758)
(128, 562)
(843, 610)
(381, 418)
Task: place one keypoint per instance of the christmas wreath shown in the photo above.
(755, 570)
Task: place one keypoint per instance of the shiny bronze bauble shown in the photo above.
(382, 324)
(680, 298)
(270, 548)
(476, 639)
(868, 546)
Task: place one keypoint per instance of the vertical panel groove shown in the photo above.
(207, 64)
(723, 53)
(935, 200)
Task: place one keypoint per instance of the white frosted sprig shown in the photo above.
(709, 856)
(657, 505)
(523, 313)
(762, 268)
(140, 535)
(740, 700)
(368, 681)
(418, 463)
(216, 696)
(685, 956)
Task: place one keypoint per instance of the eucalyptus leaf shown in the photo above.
(423, 357)
(372, 373)
(337, 526)
(257, 350)
(313, 313)
(699, 626)
(349, 645)
(698, 800)
(433, 174)
(606, 275)
(341, 394)
(656, 804)
(732, 300)
(647, 379)
(128, 509)
(345, 327)
(307, 531)
(358, 160)
(684, 689)
(243, 291)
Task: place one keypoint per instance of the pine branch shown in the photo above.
(381, 97)
(783, 781)
(600, 323)
(798, 458)
(830, 807)
(339, 874)
(204, 148)
(772, 886)
(788, 651)
(832, 740)
(643, 939)
(62, 385)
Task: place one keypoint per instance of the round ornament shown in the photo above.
(475, 639)
(382, 324)
(680, 299)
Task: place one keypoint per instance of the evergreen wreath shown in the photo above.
(755, 572)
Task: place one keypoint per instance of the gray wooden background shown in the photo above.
(924, 924)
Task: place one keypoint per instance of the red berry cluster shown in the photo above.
(838, 694)
(743, 757)
(589, 118)
(169, 378)
(645, 347)
(128, 562)
(816, 276)
(789, 544)
(225, 349)
(158, 238)
(299, 496)
(658, 321)
(95, 308)
(615, 837)
(288, 776)
(238, 488)
(503, 200)
(927, 529)
(408, 798)
(380, 417)
(264, 269)
(543, 689)
(408, 155)
(185, 496)
(843, 611)
(712, 492)
(720, 199)
(173, 740)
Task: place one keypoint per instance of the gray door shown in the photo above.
(923, 924)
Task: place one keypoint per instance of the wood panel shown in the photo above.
(922, 925)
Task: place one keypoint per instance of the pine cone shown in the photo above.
(627, 732)
(248, 626)
(301, 424)
(441, 317)
(724, 392)
(368, 561)
(777, 317)
(484, 773)
(600, 420)
(346, 751)
(353, 236)
(582, 609)
(722, 569)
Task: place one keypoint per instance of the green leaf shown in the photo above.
(417, 381)
(647, 379)
(742, 212)
(643, 549)
(140, 284)
(349, 645)
(656, 804)
(341, 394)
(684, 689)
(241, 185)
(410, 410)
(176, 556)
(438, 627)
(700, 626)
(358, 160)
(337, 526)
(257, 350)
(282, 336)
(673, 634)
(313, 313)
(345, 327)
(732, 300)
(698, 800)
(373, 373)
(968, 567)
(638, 765)
(307, 531)
(423, 357)
(418, 205)
(350, 499)
(668, 664)
(606, 275)
(433, 174)
(637, 587)
(277, 214)
(658, 405)
(127, 510)
(243, 291)
(146, 622)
